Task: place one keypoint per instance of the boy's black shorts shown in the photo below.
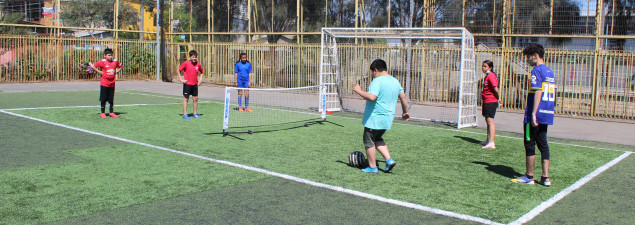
(106, 94)
(190, 90)
(372, 136)
(489, 109)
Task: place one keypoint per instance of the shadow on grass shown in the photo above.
(306, 123)
(502, 170)
(468, 139)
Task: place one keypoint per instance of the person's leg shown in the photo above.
(185, 100)
(383, 149)
(246, 99)
(195, 104)
(491, 129)
(530, 160)
(240, 100)
(111, 102)
(530, 156)
(543, 146)
(372, 157)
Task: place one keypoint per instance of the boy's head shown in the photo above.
(535, 54)
(108, 54)
(378, 65)
(243, 57)
(193, 56)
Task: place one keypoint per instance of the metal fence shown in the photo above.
(591, 83)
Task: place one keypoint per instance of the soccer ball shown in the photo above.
(356, 159)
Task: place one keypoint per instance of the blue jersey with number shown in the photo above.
(542, 79)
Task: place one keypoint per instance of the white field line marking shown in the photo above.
(503, 136)
(167, 96)
(86, 106)
(551, 201)
(284, 176)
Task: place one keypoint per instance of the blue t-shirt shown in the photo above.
(380, 113)
(243, 70)
(542, 79)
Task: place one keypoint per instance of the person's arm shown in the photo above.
(200, 77)
(249, 83)
(496, 93)
(96, 69)
(178, 73)
(404, 106)
(363, 94)
(534, 110)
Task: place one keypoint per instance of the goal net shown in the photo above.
(435, 66)
(265, 108)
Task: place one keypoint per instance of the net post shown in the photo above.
(226, 111)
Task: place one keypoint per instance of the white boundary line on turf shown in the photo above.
(85, 106)
(471, 132)
(551, 201)
(284, 176)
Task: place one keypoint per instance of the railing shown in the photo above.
(598, 84)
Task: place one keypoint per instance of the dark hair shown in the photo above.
(490, 64)
(107, 51)
(378, 64)
(533, 49)
(240, 56)
(193, 52)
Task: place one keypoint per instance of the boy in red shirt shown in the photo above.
(109, 69)
(490, 97)
(191, 80)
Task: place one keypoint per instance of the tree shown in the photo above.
(11, 18)
(276, 16)
(96, 13)
(622, 19)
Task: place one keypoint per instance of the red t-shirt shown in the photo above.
(191, 71)
(489, 84)
(110, 71)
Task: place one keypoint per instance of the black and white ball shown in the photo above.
(356, 159)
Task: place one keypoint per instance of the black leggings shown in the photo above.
(536, 136)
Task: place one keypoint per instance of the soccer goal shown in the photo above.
(436, 67)
(271, 107)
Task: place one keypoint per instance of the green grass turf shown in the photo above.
(107, 178)
(29, 143)
(436, 168)
(266, 201)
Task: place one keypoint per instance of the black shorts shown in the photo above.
(190, 90)
(371, 136)
(489, 109)
(106, 94)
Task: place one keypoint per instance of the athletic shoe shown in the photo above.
(490, 145)
(523, 180)
(370, 170)
(113, 115)
(197, 116)
(390, 163)
(186, 117)
(248, 110)
(545, 181)
(240, 109)
(102, 115)
(484, 143)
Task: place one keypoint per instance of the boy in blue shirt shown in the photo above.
(379, 113)
(538, 114)
(243, 72)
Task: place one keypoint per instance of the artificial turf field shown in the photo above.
(63, 164)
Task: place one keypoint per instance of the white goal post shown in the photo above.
(436, 67)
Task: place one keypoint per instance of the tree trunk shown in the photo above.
(141, 18)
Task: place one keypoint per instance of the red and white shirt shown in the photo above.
(490, 82)
(110, 71)
(191, 71)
